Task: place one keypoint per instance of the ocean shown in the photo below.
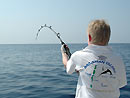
(36, 71)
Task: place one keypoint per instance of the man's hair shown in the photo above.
(99, 31)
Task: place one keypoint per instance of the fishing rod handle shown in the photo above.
(67, 50)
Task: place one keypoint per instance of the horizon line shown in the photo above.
(54, 43)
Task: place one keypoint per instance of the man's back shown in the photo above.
(101, 72)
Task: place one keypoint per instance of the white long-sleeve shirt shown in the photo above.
(102, 73)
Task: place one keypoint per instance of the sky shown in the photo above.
(20, 20)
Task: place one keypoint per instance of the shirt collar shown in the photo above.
(98, 48)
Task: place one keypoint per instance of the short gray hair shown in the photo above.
(100, 31)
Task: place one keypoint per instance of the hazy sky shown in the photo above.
(20, 20)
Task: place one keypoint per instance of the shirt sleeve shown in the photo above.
(122, 75)
(71, 64)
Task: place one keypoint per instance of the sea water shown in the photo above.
(36, 71)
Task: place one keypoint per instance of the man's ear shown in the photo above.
(89, 38)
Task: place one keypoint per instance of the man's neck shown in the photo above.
(99, 44)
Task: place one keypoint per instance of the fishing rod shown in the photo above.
(66, 49)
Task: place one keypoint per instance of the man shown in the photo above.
(101, 72)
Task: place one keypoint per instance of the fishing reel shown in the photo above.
(66, 50)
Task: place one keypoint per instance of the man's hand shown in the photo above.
(64, 55)
(63, 49)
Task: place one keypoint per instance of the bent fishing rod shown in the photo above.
(66, 49)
